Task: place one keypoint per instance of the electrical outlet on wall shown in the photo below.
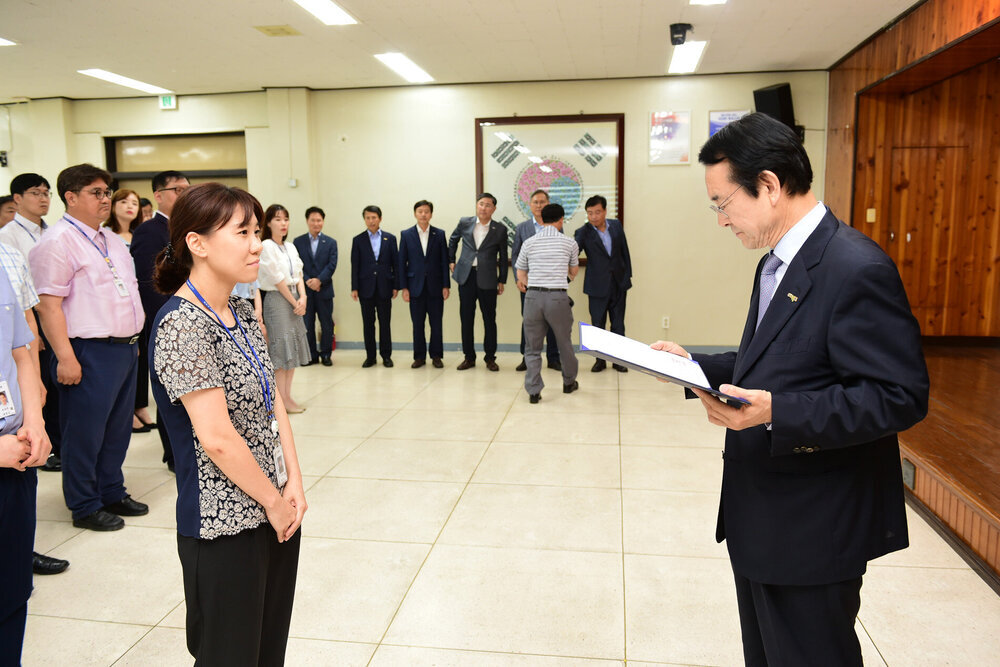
(666, 322)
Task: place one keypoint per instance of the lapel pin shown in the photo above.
(792, 297)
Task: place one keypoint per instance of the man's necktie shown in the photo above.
(767, 283)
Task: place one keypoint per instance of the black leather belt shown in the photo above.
(118, 340)
(549, 289)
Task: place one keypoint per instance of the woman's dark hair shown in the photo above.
(265, 227)
(201, 209)
(116, 225)
(755, 143)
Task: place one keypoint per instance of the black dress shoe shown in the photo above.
(534, 398)
(145, 428)
(437, 362)
(598, 366)
(620, 368)
(311, 362)
(52, 464)
(100, 521)
(326, 361)
(128, 507)
(523, 366)
(46, 564)
(387, 363)
(368, 363)
(492, 365)
(466, 364)
(555, 365)
(417, 363)
(570, 388)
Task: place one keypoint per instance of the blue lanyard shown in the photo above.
(288, 256)
(104, 253)
(26, 229)
(258, 365)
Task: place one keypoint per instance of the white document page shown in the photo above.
(640, 354)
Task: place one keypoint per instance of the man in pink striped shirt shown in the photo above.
(92, 316)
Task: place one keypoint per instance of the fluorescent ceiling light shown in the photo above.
(327, 12)
(708, 2)
(7, 42)
(111, 77)
(686, 57)
(404, 67)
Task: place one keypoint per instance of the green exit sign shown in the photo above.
(168, 101)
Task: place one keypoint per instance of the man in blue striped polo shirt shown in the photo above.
(544, 264)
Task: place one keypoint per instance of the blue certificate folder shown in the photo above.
(639, 356)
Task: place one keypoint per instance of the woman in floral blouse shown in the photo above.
(240, 499)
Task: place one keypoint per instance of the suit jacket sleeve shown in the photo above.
(578, 237)
(393, 262)
(503, 258)
(453, 241)
(326, 273)
(445, 276)
(356, 264)
(515, 249)
(626, 255)
(874, 347)
(402, 277)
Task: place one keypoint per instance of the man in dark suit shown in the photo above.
(148, 240)
(480, 272)
(423, 277)
(319, 260)
(539, 199)
(609, 270)
(374, 283)
(811, 485)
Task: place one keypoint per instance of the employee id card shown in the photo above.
(7, 408)
(279, 466)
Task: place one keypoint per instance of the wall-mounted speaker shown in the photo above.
(776, 102)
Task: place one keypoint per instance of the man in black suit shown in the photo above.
(609, 270)
(423, 277)
(811, 485)
(374, 283)
(480, 272)
(539, 199)
(319, 260)
(148, 240)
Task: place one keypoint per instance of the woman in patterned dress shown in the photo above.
(240, 499)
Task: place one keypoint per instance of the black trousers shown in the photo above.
(319, 307)
(142, 395)
(17, 537)
(551, 345)
(239, 591)
(799, 625)
(383, 308)
(613, 305)
(427, 307)
(50, 411)
(469, 293)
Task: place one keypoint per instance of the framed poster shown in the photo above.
(570, 157)
(670, 137)
(719, 119)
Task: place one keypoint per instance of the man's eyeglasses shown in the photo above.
(98, 193)
(720, 209)
(41, 194)
(178, 189)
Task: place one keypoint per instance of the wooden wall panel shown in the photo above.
(926, 29)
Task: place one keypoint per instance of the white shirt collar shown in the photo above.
(794, 238)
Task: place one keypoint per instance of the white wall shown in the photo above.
(393, 146)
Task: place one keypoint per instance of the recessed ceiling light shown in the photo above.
(708, 2)
(7, 42)
(327, 12)
(120, 80)
(278, 30)
(404, 67)
(686, 57)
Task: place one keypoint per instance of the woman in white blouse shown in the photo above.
(284, 296)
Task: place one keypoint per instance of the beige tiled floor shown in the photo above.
(453, 523)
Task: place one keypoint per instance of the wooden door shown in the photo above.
(926, 234)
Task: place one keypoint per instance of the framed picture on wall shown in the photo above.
(670, 137)
(719, 119)
(570, 157)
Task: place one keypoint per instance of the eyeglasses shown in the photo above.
(177, 189)
(41, 194)
(98, 193)
(720, 209)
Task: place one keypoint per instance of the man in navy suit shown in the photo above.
(539, 199)
(148, 240)
(374, 282)
(480, 272)
(832, 366)
(423, 277)
(319, 260)
(609, 270)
